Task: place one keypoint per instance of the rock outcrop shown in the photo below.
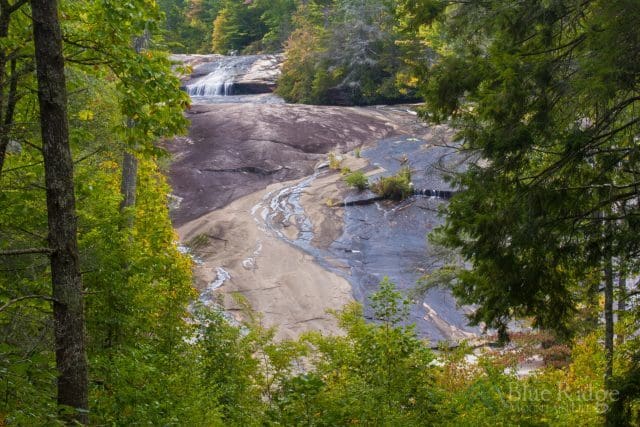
(254, 74)
(261, 77)
(237, 149)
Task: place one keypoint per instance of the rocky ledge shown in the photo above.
(258, 74)
(237, 149)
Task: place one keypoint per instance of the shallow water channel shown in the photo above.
(381, 238)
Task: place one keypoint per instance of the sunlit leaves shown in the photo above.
(528, 85)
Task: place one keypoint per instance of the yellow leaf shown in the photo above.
(85, 115)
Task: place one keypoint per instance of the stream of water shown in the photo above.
(383, 238)
(217, 80)
(220, 78)
(379, 239)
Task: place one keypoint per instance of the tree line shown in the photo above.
(99, 322)
(336, 51)
(547, 94)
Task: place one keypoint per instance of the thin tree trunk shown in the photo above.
(6, 10)
(128, 189)
(7, 121)
(4, 32)
(128, 185)
(608, 317)
(68, 309)
(622, 299)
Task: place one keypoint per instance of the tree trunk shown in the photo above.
(68, 309)
(6, 10)
(608, 317)
(128, 185)
(4, 32)
(128, 189)
(7, 120)
(622, 299)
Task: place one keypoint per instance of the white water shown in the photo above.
(220, 81)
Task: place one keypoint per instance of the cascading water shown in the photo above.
(220, 81)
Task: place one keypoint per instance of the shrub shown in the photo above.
(357, 180)
(334, 161)
(396, 187)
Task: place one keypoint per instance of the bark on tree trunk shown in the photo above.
(68, 309)
(128, 185)
(4, 32)
(622, 298)
(7, 120)
(608, 317)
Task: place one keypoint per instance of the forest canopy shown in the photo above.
(542, 229)
(336, 52)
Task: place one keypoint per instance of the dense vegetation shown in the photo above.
(546, 91)
(337, 51)
(227, 26)
(344, 52)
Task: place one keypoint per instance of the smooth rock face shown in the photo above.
(263, 73)
(258, 73)
(236, 149)
(195, 61)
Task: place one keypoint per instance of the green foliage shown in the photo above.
(224, 26)
(137, 283)
(229, 369)
(541, 91)
(357, 180)
(303, 79)
(342, 52)
(374, 375)
(335, 161)
(388, 305)
(530, 88)
(277, 17)
(236, 27)
(188, 25)
(396, 187)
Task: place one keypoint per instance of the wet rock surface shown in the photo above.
(252, 74)
(381, 237)
(234, 149)
(262, 217)
(388, 238)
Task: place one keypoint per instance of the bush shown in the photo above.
(335, 161)
(396, 187)
(357, 180)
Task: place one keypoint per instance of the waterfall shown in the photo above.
(220, 80)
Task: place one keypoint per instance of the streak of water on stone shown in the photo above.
(379, 239)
